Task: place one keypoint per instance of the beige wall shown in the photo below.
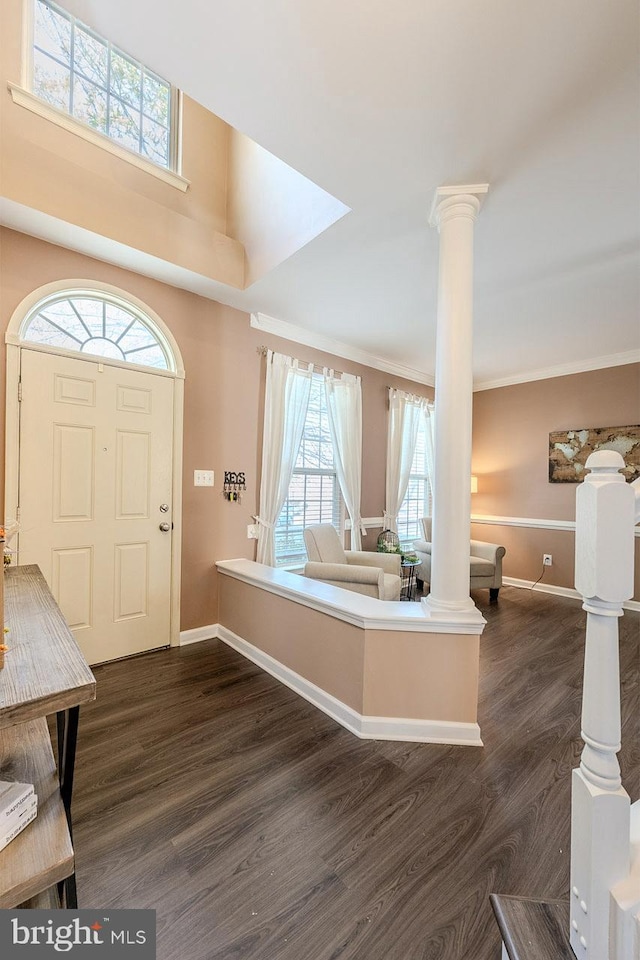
(511, 427)
(326, 651)
(50, 169)
(421, 675)
(378, 673)
(224, 391)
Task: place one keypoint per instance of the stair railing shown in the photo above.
(605, 883)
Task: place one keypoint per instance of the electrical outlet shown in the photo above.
(203, 478)
(547, 559)
(252, 531)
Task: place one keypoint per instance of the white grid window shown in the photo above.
(314, 491)
(86, 76)
(417, 501)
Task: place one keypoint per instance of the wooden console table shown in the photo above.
(44, 673)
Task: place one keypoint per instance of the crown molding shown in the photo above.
(289, 331)
(562, 370)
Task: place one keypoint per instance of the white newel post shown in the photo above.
(454, 213)
(600, 810)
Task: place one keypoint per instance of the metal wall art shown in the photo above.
(234, 484)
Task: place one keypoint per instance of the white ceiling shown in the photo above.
(381, 103)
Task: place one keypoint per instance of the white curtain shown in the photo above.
(344, 402)
(405, 414)
(285, 410)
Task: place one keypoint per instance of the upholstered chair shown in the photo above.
(372, 574)
(485, 562)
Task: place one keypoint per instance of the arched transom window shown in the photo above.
(102, 326)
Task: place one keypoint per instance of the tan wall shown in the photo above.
(326, 651)
(421, 675)
(378, 673)
(511, 427)
(224, 392)
(50, 169)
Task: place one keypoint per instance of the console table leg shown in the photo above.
(67, 730)
(67, 724)
(71, 894)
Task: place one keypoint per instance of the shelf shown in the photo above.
(42, 854)
(47, 900)
(45, 670)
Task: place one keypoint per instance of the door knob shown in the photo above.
(164, 508)
(165, 527)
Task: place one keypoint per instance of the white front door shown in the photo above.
(95, 503)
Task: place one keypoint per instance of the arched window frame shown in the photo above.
(125, 303)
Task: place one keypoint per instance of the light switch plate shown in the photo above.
(203, 478)
(252, 531)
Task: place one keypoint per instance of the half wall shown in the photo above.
(380, 669)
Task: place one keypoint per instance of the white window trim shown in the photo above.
(168, 348)
(25, 98)
(93, 288)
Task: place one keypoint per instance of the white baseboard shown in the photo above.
(209, 632)
(367, 728)
(559, 591)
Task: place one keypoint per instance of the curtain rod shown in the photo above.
(416, 395)
(262, 350)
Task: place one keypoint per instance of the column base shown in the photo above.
(452, 611)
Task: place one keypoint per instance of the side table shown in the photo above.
(408, 588)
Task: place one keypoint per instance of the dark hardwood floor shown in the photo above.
(259, 829)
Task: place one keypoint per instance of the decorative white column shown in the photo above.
(600, 807)
(454, 212)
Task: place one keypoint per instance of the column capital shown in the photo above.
(463, 201)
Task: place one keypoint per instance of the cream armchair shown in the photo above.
(485, 562)
(373, 574)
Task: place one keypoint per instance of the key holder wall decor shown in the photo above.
(234, 484)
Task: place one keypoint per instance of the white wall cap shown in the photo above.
(361, 611)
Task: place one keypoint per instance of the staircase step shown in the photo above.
(533, 929)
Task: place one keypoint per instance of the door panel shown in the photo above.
(72, 584)
(132, 580)
(96, 446)
(73, 390)
(73, 465)
(132, 471)
(132, 400)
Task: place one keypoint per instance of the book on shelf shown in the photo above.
(17, 829)
(12, 797)
(23, 811)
